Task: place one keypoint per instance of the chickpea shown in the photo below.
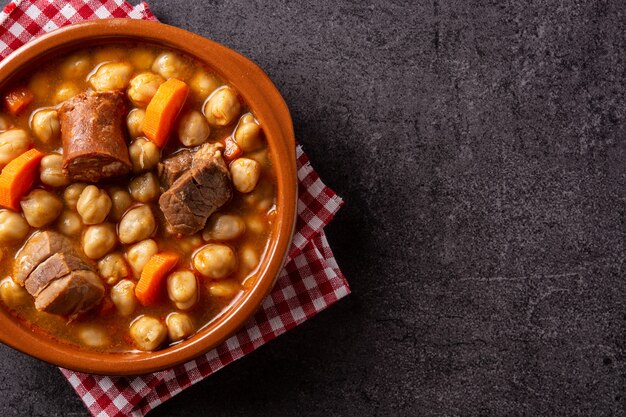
(190, 243)
(179, 326)
(265, 204)
(249, 257)
(186, 305)
(112, 76)
(222, 107)
(145, 188)
(247, 118)
(51, 171)
(76, 66)
(215, 261)
(134, 122)
(144, 155)
(254, 224)
(66, 90)
(245, 173)
(171, 65)
(41, 84)
(13, 143)
(139, 254)
(45, 125)
(137, 224)
(93, 205)
(202, 84)
(193, 128)
(41, 207)
(69, 223)
(93, 336)
(99, 239)
(5, 122)
(113, 268)
(12, 294)
(123, 297)
(72, 194)
(248, 134)
(143, 87)
(227, 288)
(224, 227)
(148, 333)
(13, 227)
(109, 53)
(120, 202)
(142, 58)
(261, 156)
(182, 289)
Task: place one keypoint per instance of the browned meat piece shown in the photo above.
(37, 249)
(198, 192)
(174, 166)
(178, 215)
(92, 129)
(56, 266)
(73, 294)
(60, 281)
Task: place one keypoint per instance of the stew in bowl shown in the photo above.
(138, 196)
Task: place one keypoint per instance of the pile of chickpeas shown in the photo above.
(116, 225)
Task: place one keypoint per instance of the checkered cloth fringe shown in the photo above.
(310, 281)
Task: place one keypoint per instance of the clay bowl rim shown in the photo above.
(272, 112)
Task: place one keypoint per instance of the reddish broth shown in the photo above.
(103, 328)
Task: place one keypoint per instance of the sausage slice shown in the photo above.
(92, 129)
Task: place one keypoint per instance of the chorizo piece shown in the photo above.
(92, 129)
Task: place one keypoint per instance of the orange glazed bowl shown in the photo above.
(269, 108)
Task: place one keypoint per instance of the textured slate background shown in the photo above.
(480, 149)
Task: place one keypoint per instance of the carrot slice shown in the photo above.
(152, 277)
(163, 109)
(232, 151)
(18, 99)
(18, 177)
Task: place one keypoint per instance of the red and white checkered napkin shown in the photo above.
(310, 281)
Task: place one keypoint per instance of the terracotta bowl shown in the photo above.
(270, 109)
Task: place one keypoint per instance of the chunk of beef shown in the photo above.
(73, 294)
(94, 142)
(37, 249)
(198, 192)
(56, 266)
(173, 167)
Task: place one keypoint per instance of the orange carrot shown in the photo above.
(152, 277)
(18, 177)
(232, 151)
(18, 99)
(163, 109)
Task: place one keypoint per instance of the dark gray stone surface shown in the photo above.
(480, 150)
